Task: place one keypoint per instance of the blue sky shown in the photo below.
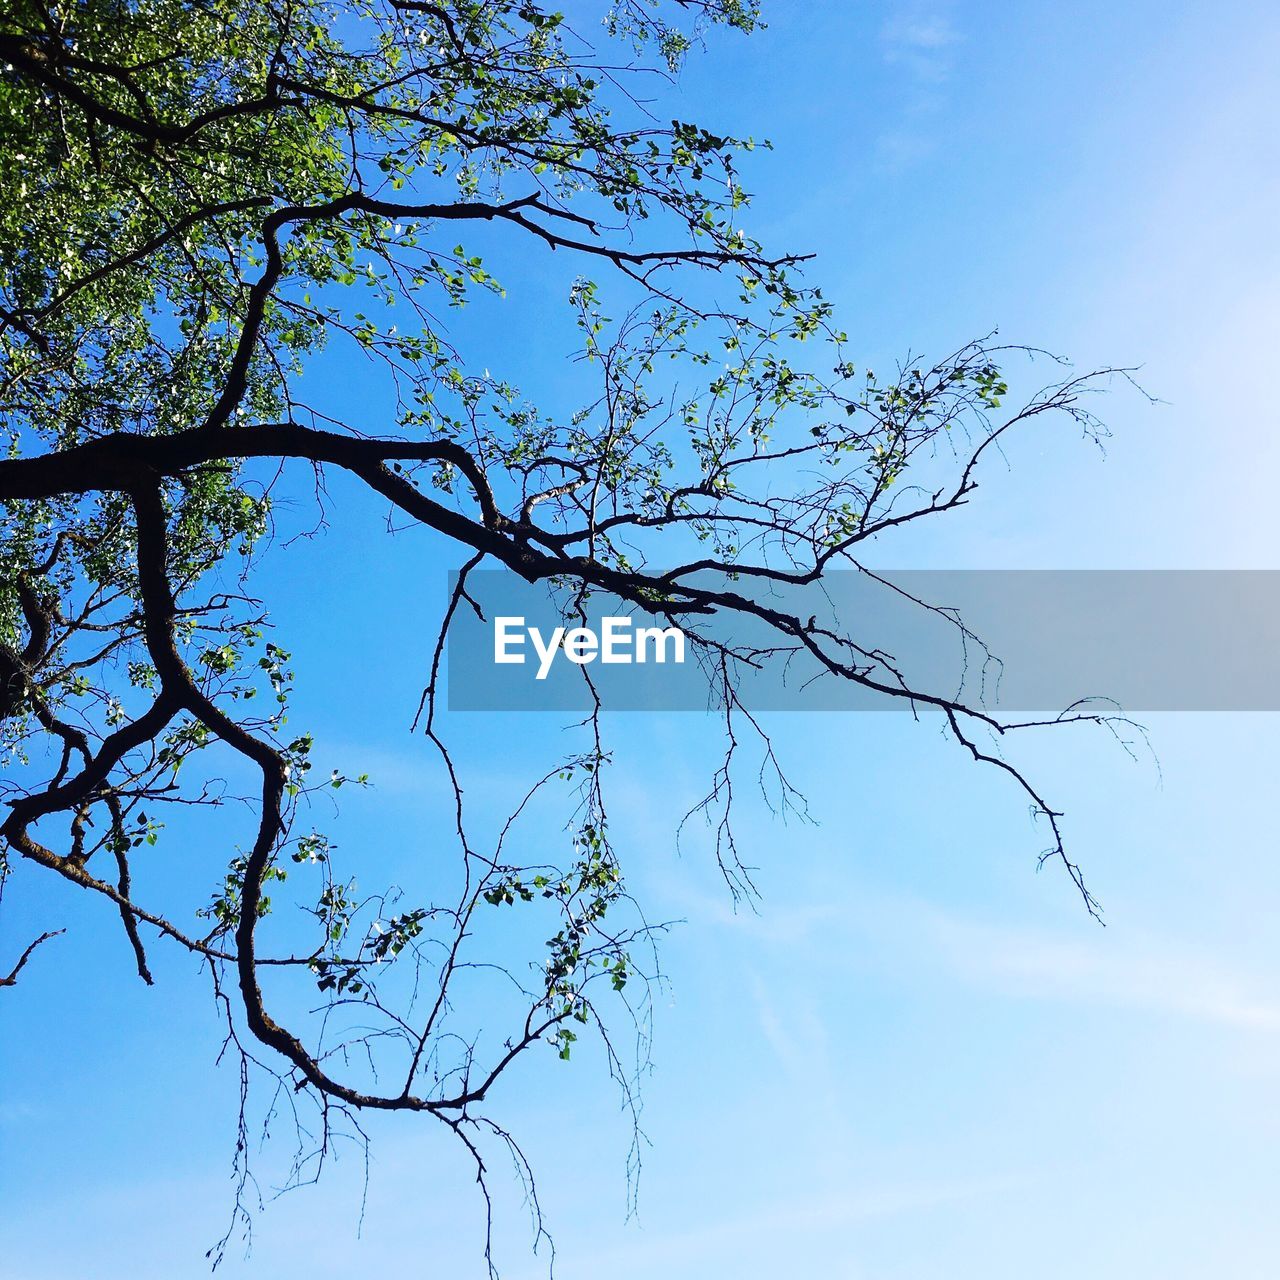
(919, 1058)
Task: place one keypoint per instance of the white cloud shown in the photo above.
(919, 43)
(1099, 967)
(931, 32)
(1133, 971)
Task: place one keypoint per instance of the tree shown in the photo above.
(207, 199)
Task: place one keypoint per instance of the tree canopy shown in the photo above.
(206, 199)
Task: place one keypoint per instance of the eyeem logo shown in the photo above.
(617, 642)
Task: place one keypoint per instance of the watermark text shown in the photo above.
(616, 642)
